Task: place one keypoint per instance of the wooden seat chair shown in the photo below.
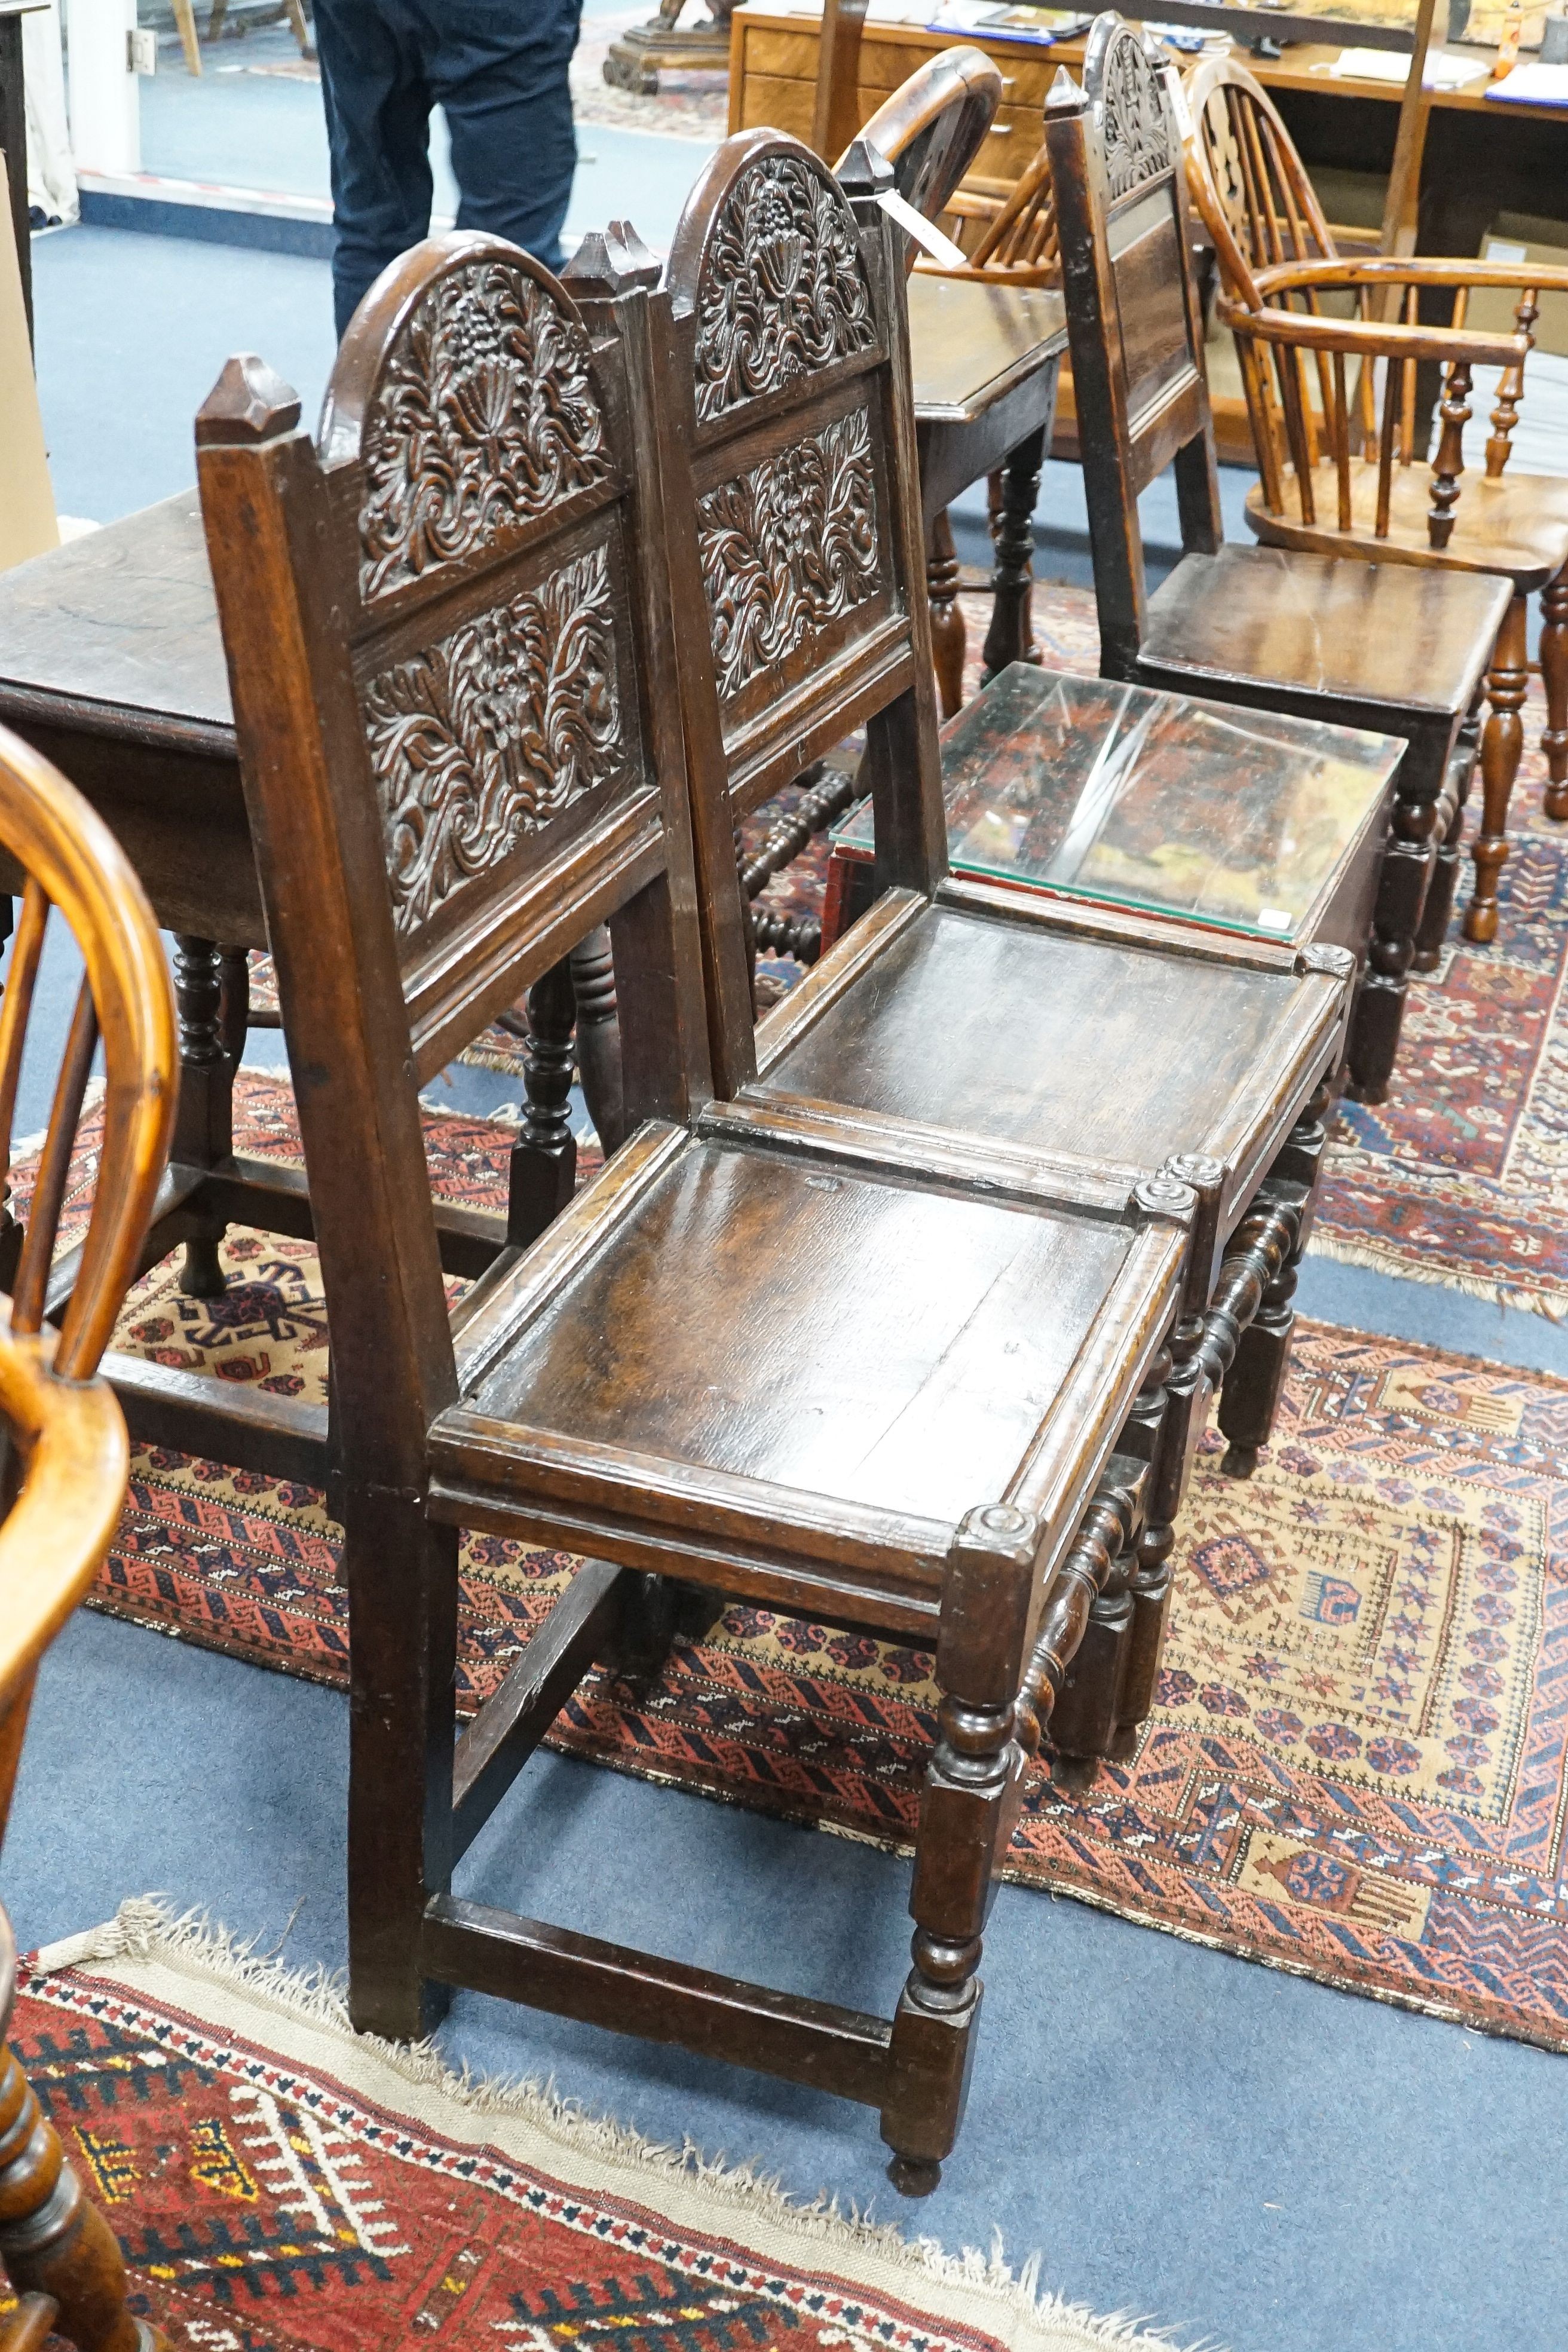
(66, 1455)
(1340, 471)
(842, 1368)
(1397, 650)
(956, 1011)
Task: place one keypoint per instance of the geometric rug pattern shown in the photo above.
(1356, 1767)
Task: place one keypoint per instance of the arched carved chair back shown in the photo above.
(457, 752)
(795, 509)
(934, 127)
(1134, 327)
(67, 858)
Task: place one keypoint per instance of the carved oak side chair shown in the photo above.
(66, 1449)
(448, 625)
(1327, 458)
(1382, 646)
(960, 1012)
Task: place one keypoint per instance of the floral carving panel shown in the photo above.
(782, 290)
(1136, 136)
(789, 547)
(485, 418)
(493, 733)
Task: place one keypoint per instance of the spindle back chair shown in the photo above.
(447, 621)
(65, 1453)
(1390, 650)
(1342, 459)
(931, 128)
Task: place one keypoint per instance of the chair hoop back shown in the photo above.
(71, 861)
(934, 127)
(1247, 178)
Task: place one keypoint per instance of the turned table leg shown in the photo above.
(1554, 677)
(1432, 936)
(544, 1157)
(204, 1124)
(1502, 741)
(599, 1036)
(1010, 638)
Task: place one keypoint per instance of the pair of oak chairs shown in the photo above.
(902, 1310)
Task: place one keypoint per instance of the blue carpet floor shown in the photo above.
(1239, 2154)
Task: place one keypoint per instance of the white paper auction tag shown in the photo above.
(1179, 105)
(941, 248)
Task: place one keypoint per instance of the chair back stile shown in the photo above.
(1135, 332)
(794, 521)
(457, 755)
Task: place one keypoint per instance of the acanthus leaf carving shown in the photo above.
(788, 546)
(485, 417)
(781, 291)
(492, 734)
(1133, 120)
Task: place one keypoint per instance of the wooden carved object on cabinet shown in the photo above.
(602, 1388)
(636, 60)
(1387, 647)
(65, 1437)
(1236, 1035)
(1340, 472)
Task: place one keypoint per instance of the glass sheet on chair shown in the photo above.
(1137, 798)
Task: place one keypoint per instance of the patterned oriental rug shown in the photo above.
(1356, 1770)
(277, 2183)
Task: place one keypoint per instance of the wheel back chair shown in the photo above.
(953, 1011)
(840, 1366)
(62, 1480)
(1338, 463)
(1386, 647)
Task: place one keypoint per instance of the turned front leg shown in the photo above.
(204, 1124)
(966, 1818)
(1432, 936)
(1502, 741)
(544, 1173)
(1011, 635)
(1554, 677)
(52, 2241)
(1403, 887)
(949, 635)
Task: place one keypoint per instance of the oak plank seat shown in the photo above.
(1378, 646)
(67, 1457)
(413, 605)
(1339, 477)
(956, 1013)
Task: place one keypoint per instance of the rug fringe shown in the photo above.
(1401, 1269)
(145, 1930)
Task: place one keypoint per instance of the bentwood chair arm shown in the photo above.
(70, 1437)
(1372, 338)
(1409, 269)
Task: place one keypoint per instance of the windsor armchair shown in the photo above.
(1379, 646)
(67, 1455)
(1340, 471)
(954, 1010)
(464, 577)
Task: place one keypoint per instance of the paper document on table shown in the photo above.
(1444, 70)
(1533, 85)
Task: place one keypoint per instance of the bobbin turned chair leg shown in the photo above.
(967, 1812)
(949, 633)
(1502, 743)
(544, 1168)
(599, 1035)
(1432, 936)
(1254, 1382)
(1554, 677)
(1011, 635)
(1089, 1694)
(53, 2241)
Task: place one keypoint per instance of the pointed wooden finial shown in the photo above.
(610, 261)
(249, 402)
(1065, 97)
(864, 170)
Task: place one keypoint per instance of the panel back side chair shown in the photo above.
(1327, 448)
(66, 1455)
(1378, 646)
(446, 621)
(953, 1008)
